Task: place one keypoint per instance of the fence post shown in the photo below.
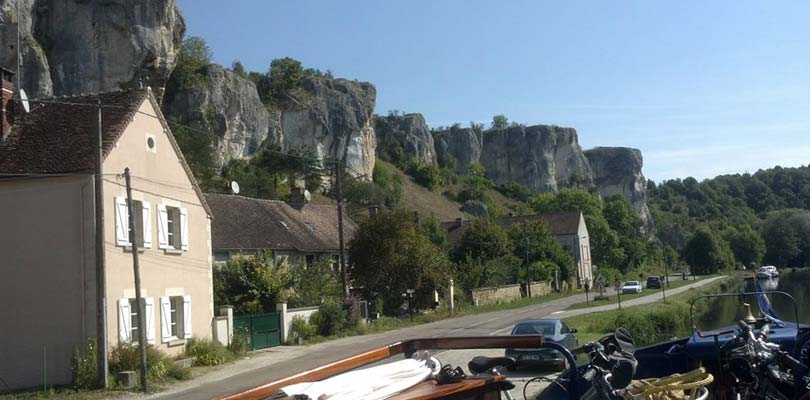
(282, 320)
(227, 311)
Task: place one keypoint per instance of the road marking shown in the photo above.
(499, 331)
(557, 312)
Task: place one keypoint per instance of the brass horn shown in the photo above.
(744, 314)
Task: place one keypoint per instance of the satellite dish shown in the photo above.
(24, 101)
(234, 187)
(307, 195)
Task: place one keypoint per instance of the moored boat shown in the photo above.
(767, 272)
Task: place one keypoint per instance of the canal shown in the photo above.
(720, 312)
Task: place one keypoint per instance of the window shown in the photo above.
(142, 222)
(128, 324)
(310, 259)
(172, 227)
(175, 318)
(133, 317)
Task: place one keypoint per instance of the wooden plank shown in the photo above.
(408, 347)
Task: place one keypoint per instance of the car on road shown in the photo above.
(553, 330)
(653, 282)
(631, 287)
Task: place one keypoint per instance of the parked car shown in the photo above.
(653, 282)
(631, 287)
(554, 330)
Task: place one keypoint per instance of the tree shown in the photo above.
(197, 149)
(483, 239)
(314, 284)
(472, 273)
(622, 218)
(239, 69)
(787, 238)
(251, 284)
(533, 240)
(197, 48)
(285, 75)
(568, 200)
(500, 122)
(389, 254)
(707, 253)
(746, 244)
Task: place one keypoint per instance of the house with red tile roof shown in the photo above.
(54, 295)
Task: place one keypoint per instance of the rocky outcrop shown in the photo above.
(458, 148)
(617, 170)
(70, 47)
(476, 208)
(543, 158)
(334, 118)
(404, 136)
(228, 106)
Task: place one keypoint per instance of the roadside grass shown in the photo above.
(613, 299)
(648, 323)
(385, 324)
(65, 394)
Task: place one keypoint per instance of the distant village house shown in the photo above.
(294, 231)
(568, 228)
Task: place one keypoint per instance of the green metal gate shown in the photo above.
(262, 330)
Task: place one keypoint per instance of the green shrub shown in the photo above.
(179, 373)
(84, 366)
(301, 328)
(652, 327)
(426, 175)
(127, 358)
(207, 352)
(329, 319)
(239, 343)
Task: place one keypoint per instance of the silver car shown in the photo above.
(553, 330)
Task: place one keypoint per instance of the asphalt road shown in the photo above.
(283, 361)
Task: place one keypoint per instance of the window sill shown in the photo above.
(173, 251)
(128, 249)
(176, 342)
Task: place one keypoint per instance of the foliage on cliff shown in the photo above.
(751, 212)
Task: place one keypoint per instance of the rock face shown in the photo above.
(229, 107)
(72, 46)
(543, 158)
(334, 118)
(404, 135)
(459, 147)
(617, 170)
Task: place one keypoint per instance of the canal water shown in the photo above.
(720, 312)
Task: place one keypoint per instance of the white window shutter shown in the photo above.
(187, 316)
(149, 303)
(121, 222)
(163, 227)
(124, 321)
(184, 229)
(147, 225)
(165, 319)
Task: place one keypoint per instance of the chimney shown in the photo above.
(298, 198)
(373, 211)
(459, 221)
(5, 107)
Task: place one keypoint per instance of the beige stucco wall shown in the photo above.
(157, 177)
(47, 289)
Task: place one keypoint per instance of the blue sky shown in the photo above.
(702, 88)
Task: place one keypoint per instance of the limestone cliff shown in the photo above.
(228, 106)
(543, 158)
(404, 136)
(334, 118)
(71, 46)
(458, 147)
(617, 170)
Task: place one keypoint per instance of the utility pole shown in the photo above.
(133, 240)
(341, 255)
(528, 275)
(102, 363)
